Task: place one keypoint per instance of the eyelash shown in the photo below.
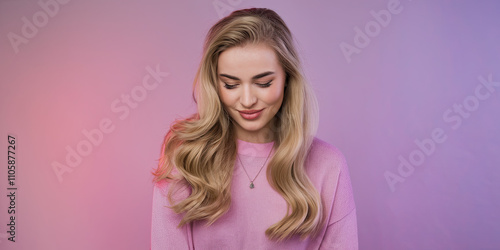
(263, 85)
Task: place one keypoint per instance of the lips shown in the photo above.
(250, 114)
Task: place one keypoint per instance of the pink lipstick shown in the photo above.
(250, 114)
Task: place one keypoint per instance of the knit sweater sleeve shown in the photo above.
(164, 231)
(341, 231)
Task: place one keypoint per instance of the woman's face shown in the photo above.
(251, 88)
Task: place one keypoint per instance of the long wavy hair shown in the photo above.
(203, 147)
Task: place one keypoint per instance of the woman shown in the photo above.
(256, 115)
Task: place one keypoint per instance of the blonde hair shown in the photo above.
(203, 147)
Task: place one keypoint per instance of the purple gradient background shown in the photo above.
(427, 59)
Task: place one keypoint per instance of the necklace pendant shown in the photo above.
(251, 185)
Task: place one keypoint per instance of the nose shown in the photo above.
(247, 98)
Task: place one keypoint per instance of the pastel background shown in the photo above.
(408, 90)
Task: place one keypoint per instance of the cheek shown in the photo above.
(274, 97)
(226, 98)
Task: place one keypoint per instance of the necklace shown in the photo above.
(251, 181)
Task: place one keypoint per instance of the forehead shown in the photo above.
(248, 60)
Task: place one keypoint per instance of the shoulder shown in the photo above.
(161, 187)
(325, 164)
(322, 153)
(179, 189)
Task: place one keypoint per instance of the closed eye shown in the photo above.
(265, 85)
(232, 86)
(229, 86)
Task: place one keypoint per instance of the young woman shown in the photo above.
(246, 171)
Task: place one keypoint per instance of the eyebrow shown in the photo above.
(255, 77)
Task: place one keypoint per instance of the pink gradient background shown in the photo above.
(395, 91)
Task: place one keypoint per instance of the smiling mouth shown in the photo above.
(250, 114)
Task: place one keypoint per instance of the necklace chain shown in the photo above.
(251, 181)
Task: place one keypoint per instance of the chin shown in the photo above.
(251, 128)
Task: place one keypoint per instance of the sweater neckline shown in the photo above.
(254, 149)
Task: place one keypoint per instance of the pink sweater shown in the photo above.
(254, 210)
